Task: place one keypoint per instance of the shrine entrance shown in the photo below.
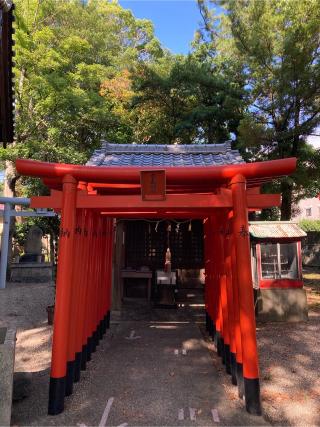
(90, 197)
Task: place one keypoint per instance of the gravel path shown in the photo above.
(23, 306)
(290, 366)
(289, 356)
(148, 382)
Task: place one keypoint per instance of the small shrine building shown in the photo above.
(210, 183)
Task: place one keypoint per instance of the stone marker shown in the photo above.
(33, 244)
(31, 266)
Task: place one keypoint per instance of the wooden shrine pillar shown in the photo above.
(61, 333)
(230, 299)
(109, 270)
(96, 259)
(88, 338)
(246, 301)
(74, 306)
(223, 290)
(81, 281)
(236, 312)
(218, 260)
(214, 295)
(85, 282)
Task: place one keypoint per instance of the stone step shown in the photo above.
(190, 296)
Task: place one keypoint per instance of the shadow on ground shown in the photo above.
(149, 377)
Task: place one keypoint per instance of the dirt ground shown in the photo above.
(290, 364)
(289, 356)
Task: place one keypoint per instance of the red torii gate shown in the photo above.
(90, 196)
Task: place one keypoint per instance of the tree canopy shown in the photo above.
(64, 53)
(275, 44)
(89, 70)
(191, 102)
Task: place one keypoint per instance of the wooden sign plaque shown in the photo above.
(153, 184)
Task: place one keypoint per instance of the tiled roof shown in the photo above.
(165, 155)
(275, 230)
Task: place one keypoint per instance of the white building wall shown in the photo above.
(309, 209)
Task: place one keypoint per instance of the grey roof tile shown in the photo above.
(164, 155)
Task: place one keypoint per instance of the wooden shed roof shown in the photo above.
(275, 230)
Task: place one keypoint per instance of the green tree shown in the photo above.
(180, 99)
(276, 45)
(65, 50)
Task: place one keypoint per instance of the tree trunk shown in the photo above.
(210, 133)
(10, 180)
(286, 204)
(9, 190)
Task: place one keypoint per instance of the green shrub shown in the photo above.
(310, 224)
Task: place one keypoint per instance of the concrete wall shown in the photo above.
(313, 204)
(7, 353)
(287, 305)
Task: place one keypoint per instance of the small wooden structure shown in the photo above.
(276, 263)
(89, 197)
(276, 254)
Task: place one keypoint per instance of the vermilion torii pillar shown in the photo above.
(230, 300)
(235, 298)
(246, 300)
(63, 297)
(82, 307)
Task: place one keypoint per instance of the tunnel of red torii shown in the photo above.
(89, 198)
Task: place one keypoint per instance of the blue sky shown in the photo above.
(175, 21)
